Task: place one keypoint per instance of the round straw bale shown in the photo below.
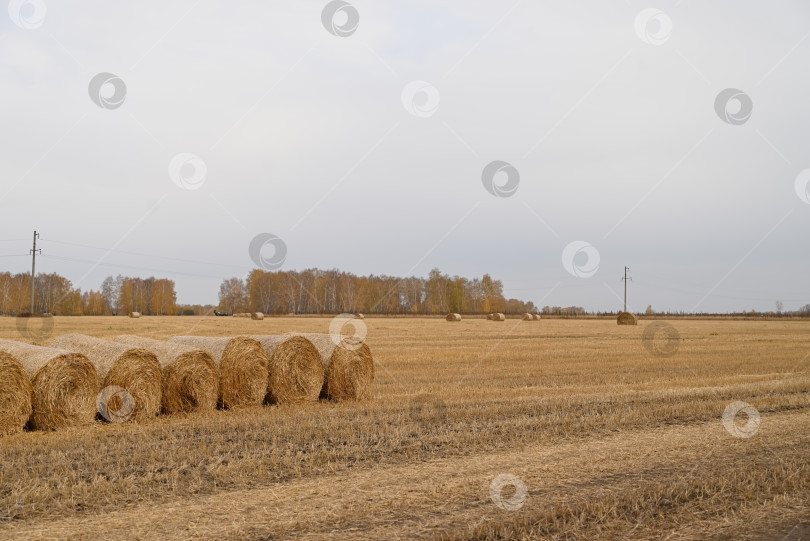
(359, 316)
(489, 317)
(190, 376)
(65, 385)
(242, 367)
(536, 317)
(295, 370)
(453, 317)
(527, 317)
(498, 317)
(626, 318)
(135, 314)
(258, 316)
(133, 369)
(15, 395)
(349, 367)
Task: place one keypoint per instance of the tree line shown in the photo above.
(315, 291)
(311, 291)
(55, 294)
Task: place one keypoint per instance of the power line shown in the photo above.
(733, 297)
(145, 255)
(130, 267)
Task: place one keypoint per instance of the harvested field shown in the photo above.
(601, 435)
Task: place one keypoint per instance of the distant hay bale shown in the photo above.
(527, 317)
(498, 317)
(242, 314)
(489, 317)
(15, 395)
(537, 317)
(258, 316)
(359, 316)
(348, 371)
(453, 317)
(626, 318)
(242, 367)
(134, 314)
(295, 370)
(190, 376)
(65, 385)
(136, 370)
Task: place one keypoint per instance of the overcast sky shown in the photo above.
(362, 147)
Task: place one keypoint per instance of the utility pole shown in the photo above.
(33, 268)
(625, 286)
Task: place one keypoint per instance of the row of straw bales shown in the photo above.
(48, 388)
(624, 318)
(495, 317)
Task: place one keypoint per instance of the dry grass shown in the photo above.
(242, 366)
(611, 441)
(134, 369)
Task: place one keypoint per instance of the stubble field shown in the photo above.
(604, 438)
